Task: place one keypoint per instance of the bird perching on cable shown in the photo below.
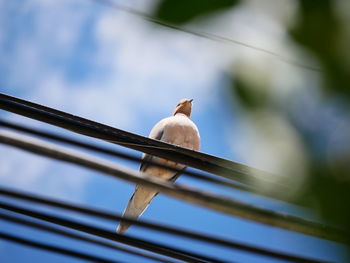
(177, 129)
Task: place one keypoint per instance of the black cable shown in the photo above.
(208, 200)
(209, 36)
(132, 241)
(180, 232)
(104, 150)
(55, 249)
(212, 164)
(70, 234)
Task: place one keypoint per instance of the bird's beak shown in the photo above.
(191, 100)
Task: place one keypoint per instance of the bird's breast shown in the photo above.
(183, 133)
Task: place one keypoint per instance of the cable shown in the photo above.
(96, 231)
(209, 36)
(212, 164)
(51, 229)
(215, 202)
(59, 138)
(55, 249)
(180, 232)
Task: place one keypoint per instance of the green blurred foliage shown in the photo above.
(318, 30)
(329, 190)
(181, 11)
(251, 99)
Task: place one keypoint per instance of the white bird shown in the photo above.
(177, 129)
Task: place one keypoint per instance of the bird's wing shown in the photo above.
(143, 195)
(157, 134)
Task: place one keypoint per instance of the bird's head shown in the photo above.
(184, 107)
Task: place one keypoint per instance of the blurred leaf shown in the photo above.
(320, 31)
(180, 11)
(250, 98)
(328, 193)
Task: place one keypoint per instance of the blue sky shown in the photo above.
(115, 68)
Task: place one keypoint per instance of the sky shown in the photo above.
(113, 67)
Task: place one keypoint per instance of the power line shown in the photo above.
(70, 234)
(205, 35)
(55, 249)
(115, 153)
(169, 251)
(218, 203)
(183, 233)
(212, 164)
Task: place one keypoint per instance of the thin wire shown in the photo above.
(70, 234)
(209, 36)
(146, 224)
(165, 250)
(54, 249)
(60, 138)
(208, 200)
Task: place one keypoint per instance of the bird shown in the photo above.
(177, 129)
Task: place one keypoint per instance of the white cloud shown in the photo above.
(28, 169)
(157, 62)
(30, 172)
(147, 70)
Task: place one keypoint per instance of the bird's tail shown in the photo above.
(137, 205)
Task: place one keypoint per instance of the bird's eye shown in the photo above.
(178, 105)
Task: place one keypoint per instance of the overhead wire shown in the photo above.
(70, 234)
(205, 35)
(205, 162)
(162, 249)
(115, 153)
(54, 249)
(148, 225)
(208, 200)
